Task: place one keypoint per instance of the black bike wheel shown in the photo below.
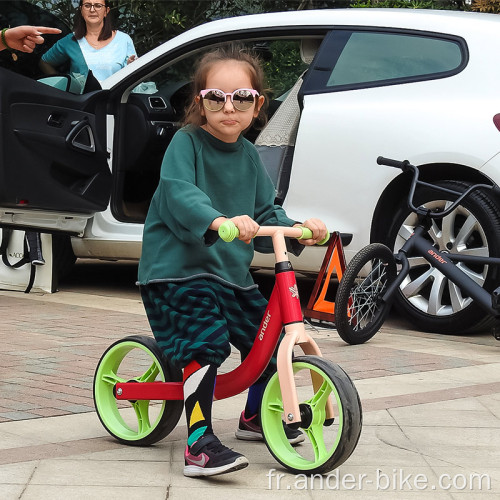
(359, 312)
(426, 297)
(328, 444)
(136, 358)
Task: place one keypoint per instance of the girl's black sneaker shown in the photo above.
(209, 457)
(249, 429)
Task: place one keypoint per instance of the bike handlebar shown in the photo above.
(228, 232)
(406, 166)
(403, 165)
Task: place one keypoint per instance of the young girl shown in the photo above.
(197, 290)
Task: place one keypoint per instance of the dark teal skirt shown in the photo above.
(199, 319)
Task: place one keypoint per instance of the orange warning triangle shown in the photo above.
(318, 307)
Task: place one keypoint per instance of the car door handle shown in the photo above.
(55, 120)
(81, 136)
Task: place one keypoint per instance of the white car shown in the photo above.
(357, 83)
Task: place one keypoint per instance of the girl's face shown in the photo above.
(228, 123)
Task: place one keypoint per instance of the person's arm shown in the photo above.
(24, 38)
(180, 203)
(46, 68)
(131, 52)
(55, 56)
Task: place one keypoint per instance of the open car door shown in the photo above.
(54, 172)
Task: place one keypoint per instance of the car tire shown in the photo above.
(428, 304)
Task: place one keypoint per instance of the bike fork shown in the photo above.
(296, 334)
(401, 259)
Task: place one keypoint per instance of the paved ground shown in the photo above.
(431, 408)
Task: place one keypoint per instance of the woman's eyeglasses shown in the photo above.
(241, 99)
(97, 6)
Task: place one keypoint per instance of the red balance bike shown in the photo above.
(138, 394)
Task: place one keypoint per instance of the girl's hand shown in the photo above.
(131, 58)
(246, 225)
(318, 229)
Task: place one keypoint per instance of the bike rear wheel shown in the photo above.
(327, 445)
(359, 312)
(140, 423)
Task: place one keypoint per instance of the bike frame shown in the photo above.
(283, 311)
(445, 263)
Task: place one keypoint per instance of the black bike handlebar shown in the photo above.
(403, 165)
(406, 166)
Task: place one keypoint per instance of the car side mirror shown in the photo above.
(66, 83)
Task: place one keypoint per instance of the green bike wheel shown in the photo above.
(140, 423)
(327, 445)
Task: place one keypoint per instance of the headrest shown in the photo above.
(308, 49)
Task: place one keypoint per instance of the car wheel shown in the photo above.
(426, 297)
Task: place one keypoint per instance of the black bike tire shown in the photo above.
(171, 410)
(347, 332)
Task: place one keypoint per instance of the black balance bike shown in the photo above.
(375, 273)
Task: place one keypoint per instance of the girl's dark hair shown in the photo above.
(80, 27)
(227, 52)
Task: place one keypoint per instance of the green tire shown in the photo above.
(139, 423)
(326, 446)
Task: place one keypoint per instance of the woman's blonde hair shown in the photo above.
(227, 52)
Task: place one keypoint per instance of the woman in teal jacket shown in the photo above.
(94, 44)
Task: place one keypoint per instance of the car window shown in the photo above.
(370, 57)
(282, 59)
(352, 59)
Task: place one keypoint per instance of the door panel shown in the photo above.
(53, 150)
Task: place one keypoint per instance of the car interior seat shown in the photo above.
(276, 142)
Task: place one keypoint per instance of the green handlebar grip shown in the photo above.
(325, 240)
(228, 231)
(307, 234)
